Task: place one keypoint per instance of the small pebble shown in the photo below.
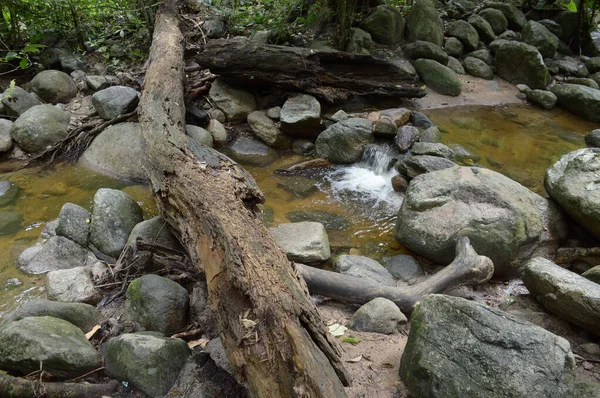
(13, 282)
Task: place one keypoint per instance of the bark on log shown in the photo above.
(16, 387)
(468, 268)
(271, 331)
(330, 75)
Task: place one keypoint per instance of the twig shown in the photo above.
(85, 375)
(186, 335)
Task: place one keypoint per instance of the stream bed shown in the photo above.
(518, 140)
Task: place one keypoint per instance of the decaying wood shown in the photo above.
(330, 75)
(17, 387)
(272, 333)
(565, 255)
(468, 268)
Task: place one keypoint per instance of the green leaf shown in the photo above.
(24, 63)
(33, 48)
(351, 340)
(11, 55)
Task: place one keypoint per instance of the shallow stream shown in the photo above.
(518, 141)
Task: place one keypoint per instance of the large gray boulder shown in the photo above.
(150, 362)
(483, 28)
(495, 18)
(60, 347)
(504, 220)
(573, 183)
(235, 103)
(74, 223)
(438, 77)
(117, 152)
(478, 68)
(515, 17)
(359, 42)
(57, 253)
(17, 101)
(379, 315)
(84, 316)
(54, 86)
(304, 242)
(252, 152)
(424, 23)
(300, 116)
(155, 230)
(464, 32)
(73, 285)
(40, 127)
(537, 35)
(459, 348)
(114, 101)
(158, 304)
(114, 215)
(385, 24)
(564, 293)
(581, 100)
(364, 268)
(267, 130)
(424, 49)
(530, 69)
(345, 141)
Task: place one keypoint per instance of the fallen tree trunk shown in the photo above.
(271, 331)
(468, 268)
(17, 387)
(330, 75)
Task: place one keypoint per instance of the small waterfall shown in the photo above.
(378, 158)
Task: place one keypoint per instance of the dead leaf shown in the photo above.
(337, 330)
(92, 332)
(248, 323)
(387, 365)
(354, 360)
(200, 342)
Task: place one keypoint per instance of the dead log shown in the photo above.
(17, 387)
(272, 333)
(330, 75)
(468, 268)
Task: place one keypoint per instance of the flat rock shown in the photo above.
(57, 253)
(363, 267)
(18, 101)
(114, 101)
(305, 242)
(73, 285)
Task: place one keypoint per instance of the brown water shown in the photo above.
(518, 141)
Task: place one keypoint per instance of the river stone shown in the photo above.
(303, 147)
(572, 68)
(431, 135)
(18, 101)
(300, 186)
(114, 101)
(478, 68)
(453, 47)
(404, 267)
(300, 116)
(379, 315)
(400, 116)
(568, 22)
(59, 346)
(530, 69)
(433, 149)
(155, 230)
(117, 152)
(84, 316)
(344, 142)
(542, 98)
(8, 192)
(464, 32)
(304, 242)
(97, 83)
(385, 24)
(114, 215)
(456, 66)
(74, 223)
(504, 220)
(249, 151)
(234, 102)
(150, 362)
(385, 127)
(57, 253)
(553, 26)
(331, 221)
(536, 34)
(427, 50)
(73, 285)
(214, 28)
(424, 23)
(420, 120)
(573, 183)
(438, 77)
(592, 139)
(593, 64)
(54, 86)
(515, 17)
(5, 137)
(584, 81)
(463, 155)
(459, 348)
(199, 135)
(496, 19)
(484, 55)
(564, 293)
(218, 132)
(10, 222)
(267, 130)
(581, 100)
(158, 304)
(593, 274)
(40, 127)
(364, 268)
(359, 42)
(483, 28)
(417, 165)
